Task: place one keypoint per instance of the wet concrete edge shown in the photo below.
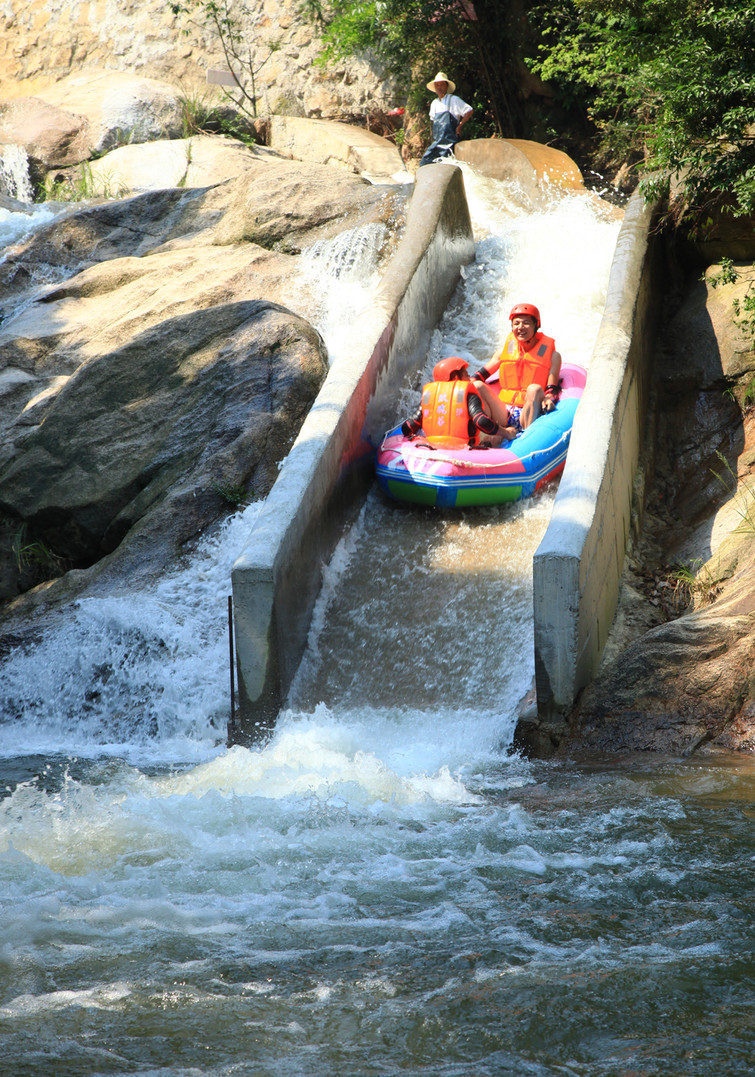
(577, 566)
(277, 577)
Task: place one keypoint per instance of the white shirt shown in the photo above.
(450, 103)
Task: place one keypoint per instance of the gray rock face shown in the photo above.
(190, 405)
(152, 367)
(275, 203)
(680, 676)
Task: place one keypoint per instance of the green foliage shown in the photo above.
(748, 397)
(744, 496)
(233, 493)
(697, 583)
(198, 112)
(667, 85)
(33, 556)
(200, 115)
(744, 309)
(81, 184)
(415, 38)
(670, 86)
(353, 28)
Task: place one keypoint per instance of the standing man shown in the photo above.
(448, 114)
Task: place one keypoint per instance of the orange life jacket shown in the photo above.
(445, 417)
(519, 367)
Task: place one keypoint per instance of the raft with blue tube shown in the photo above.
(416, 471)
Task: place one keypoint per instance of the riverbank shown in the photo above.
(677, 670)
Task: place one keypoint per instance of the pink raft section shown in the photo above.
(464, 476)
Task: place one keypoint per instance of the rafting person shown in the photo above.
(452, 411)
(448, 114)
(528, 366)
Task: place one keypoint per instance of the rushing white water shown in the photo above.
(14, 173)
(380, 888)
(349, 266)
(398, 609)
(15, 226)
(145, 676)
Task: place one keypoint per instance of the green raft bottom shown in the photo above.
(452, 496)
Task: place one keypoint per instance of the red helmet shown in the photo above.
(443, 370)
(526, 308)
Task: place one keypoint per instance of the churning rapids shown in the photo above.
(380, 888)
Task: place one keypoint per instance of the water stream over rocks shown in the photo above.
(15, 180)
(381, 887)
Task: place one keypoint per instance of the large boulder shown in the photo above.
(689, 682)
(519, 159)
(118, 107)
(154, 354)
(340, 145)
(706, 362)
(201, 161)
(274, 203)
(85, 115)
(146, 437)
(51, 136)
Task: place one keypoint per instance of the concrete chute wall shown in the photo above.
(276, 579)
(577, 568)
(578, 565)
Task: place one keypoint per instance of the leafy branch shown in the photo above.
(669, 86)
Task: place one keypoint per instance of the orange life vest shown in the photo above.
(445, 417)
(519, 367)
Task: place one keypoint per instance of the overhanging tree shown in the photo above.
(670, 85)
(478, 42)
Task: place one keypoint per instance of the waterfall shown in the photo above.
(145, 674)
(15, 180)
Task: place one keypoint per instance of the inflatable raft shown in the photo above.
(411, 471)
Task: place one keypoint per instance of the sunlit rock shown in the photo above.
(51, 136)
(155, 365)
(118, 107)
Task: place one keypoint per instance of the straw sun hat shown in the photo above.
(441, 77)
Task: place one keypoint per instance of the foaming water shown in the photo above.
(409, 611)
(140, 675)
(432, 610)
(14, 173)
(307, 909)
(146, 675)
(15, 225)
(380, 887)
(338, 277)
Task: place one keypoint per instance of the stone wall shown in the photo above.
(42, 41)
